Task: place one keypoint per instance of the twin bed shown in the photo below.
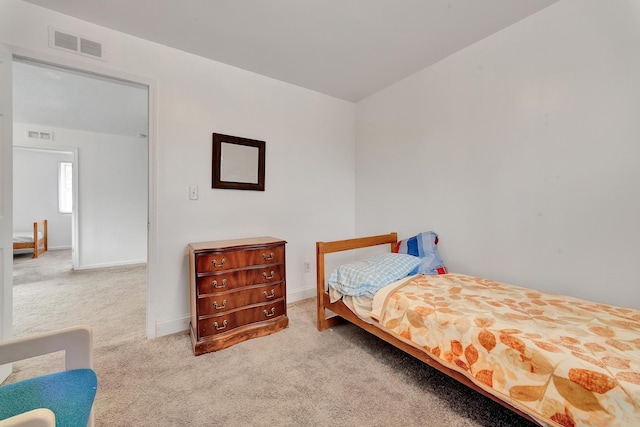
(36, 239)
(554, 360)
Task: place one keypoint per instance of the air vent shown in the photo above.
(34, 134)
(90, 48)
(65, 41)
(74, 43)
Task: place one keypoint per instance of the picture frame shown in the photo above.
(238, 163)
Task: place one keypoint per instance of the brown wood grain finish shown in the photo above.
(214, 262)
(227, 322)
(252, 330)
(223, 302)
(39, 245)
(238, 291)
(228, 281)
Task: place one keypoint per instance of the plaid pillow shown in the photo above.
(372, 274)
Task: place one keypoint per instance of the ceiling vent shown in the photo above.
(90, 48)
(34, 134)
(70, 42)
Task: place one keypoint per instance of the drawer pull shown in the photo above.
(224, 325)
(215, 284)
(273, 312)
(215, 262)
(269, 296)
(224, 304)
(273, 274)
(268, 258)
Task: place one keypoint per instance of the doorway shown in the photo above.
(105, 122)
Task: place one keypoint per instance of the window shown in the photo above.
(65, 187)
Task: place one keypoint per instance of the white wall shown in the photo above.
(112, 193)
(521, 151)
(309, 155)
(35, 193)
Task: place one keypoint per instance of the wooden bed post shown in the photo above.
(323, 321)
(35, 239)
(46, 235)
(320, 286)
(45, 238)
(393, 244)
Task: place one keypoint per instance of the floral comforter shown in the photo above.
(565, 361)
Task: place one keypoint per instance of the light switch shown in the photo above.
(193, 192)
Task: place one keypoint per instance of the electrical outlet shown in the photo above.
(307, 266)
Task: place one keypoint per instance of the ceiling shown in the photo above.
(347, 49)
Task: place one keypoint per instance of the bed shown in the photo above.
(554, 360)
(36, 239)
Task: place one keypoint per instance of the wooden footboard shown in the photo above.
(342, 312)
(39, 245)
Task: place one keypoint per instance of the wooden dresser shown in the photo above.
(238, 291)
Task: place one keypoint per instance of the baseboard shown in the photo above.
(300, 294)
(111, 264)
(168, 327)
(49, 249)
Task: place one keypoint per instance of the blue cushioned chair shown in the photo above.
(57, 399)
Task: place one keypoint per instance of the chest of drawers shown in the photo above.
(238, 291)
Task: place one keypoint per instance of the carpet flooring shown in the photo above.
(296, 377)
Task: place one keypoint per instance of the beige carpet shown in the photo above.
(297, 377)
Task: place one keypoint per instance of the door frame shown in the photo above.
(152, 233)
(6, 200)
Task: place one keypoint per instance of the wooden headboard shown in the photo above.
(323, 248)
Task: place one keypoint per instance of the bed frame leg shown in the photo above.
(325, 322)
(35, 239)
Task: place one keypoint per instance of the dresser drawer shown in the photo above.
(226, 322)
(227, 281)
(228, 301)
(211, 262)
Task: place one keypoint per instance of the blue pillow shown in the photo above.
(424, 246)
(372, 274)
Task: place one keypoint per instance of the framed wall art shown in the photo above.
(238, 163)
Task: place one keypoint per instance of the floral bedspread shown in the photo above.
(565, 361)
